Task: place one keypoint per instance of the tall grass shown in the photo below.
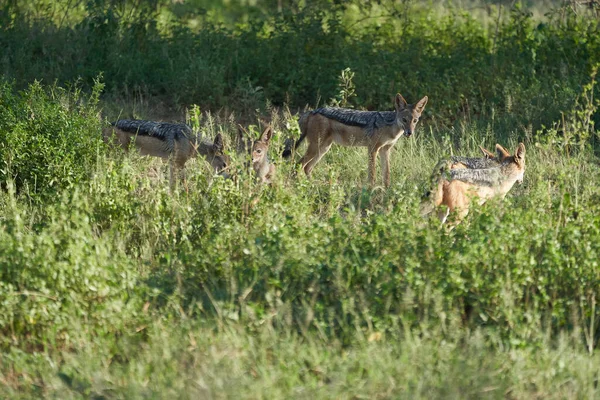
(520, 67)
(113, 286)
(334, 271)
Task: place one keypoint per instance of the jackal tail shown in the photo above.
(289, 144)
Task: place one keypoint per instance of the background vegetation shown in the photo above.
(111, 286)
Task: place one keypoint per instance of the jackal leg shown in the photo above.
(316, 150)
(372, 170)
(384, 155)
(443, 213)
(180, 170)
(176, 171)
(171, 174)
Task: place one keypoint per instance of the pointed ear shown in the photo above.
(400, 103)
(218, 143)
(520, 153)
(267, 135)
(420, 106)
(501, 152)
(488, 154)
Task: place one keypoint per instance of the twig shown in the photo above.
(28, 293)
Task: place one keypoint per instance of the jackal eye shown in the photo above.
(404, 120)
(259, 151)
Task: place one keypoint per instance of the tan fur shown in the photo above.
(321, 132)
(456, 195)
(265, 171)
(182, 152)
(486, 153)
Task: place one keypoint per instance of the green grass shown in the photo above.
(112, 286)
(118, 288)
(228, 362)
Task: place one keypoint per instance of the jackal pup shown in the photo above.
(456, 187)
(175, 142)
(376, 130)
(265, 171)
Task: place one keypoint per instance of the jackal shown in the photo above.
(489, 160)
(175, 142)
(265, 171)
(455, 187)
(376, 130)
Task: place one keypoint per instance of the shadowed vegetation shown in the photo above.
(112, 286)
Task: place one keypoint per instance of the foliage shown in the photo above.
(48, 136)
(58, 280)
(112, 285)
(507, 69)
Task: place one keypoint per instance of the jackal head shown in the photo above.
(217, 159)
(513, 166)
(407, 115)
(260, 147)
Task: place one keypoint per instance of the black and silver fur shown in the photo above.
(369, 120)
(475, 162)
(484, 177)
(167, 132)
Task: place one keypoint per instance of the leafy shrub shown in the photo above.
(61, 280)
(49, 137)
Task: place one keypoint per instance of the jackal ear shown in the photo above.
(520, 153)
(400, 103)
(488, 154)
(501, 152)
(218, 143)
(267, 135)
(420, 106)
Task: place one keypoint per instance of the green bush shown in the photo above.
(49, 137)
(60, 281)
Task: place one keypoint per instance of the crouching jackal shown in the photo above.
(175, 142)
(376, 130)
(455, 188)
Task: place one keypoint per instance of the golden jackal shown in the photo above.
(175, 142)
(376, 130)
(265, 171)
(456, 187)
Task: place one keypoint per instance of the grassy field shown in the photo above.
(112, 286)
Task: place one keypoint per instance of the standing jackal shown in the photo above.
(264, 169)
(454, 188)
(175, 142)
(376, 130)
